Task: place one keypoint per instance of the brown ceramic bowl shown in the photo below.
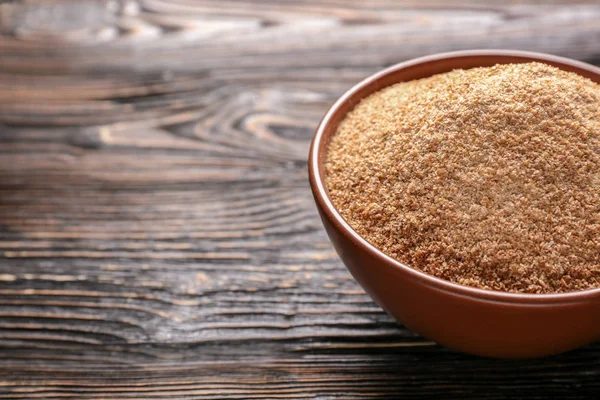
(482, 322)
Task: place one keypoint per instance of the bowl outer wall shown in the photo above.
(475, 321)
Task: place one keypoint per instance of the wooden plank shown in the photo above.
(158, 238)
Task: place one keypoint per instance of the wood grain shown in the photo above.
(158, 238)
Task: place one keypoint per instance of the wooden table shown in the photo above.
(158, 238)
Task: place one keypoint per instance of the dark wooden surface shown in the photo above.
(158, 238)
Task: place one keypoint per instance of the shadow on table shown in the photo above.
(427, 370)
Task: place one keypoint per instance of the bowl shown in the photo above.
(476, 321)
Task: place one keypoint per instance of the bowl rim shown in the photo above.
(322, 198)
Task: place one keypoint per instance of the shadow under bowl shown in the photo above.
(481, 322)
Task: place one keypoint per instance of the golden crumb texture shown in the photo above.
(486, 177)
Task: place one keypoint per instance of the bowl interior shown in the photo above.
(417, 69)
